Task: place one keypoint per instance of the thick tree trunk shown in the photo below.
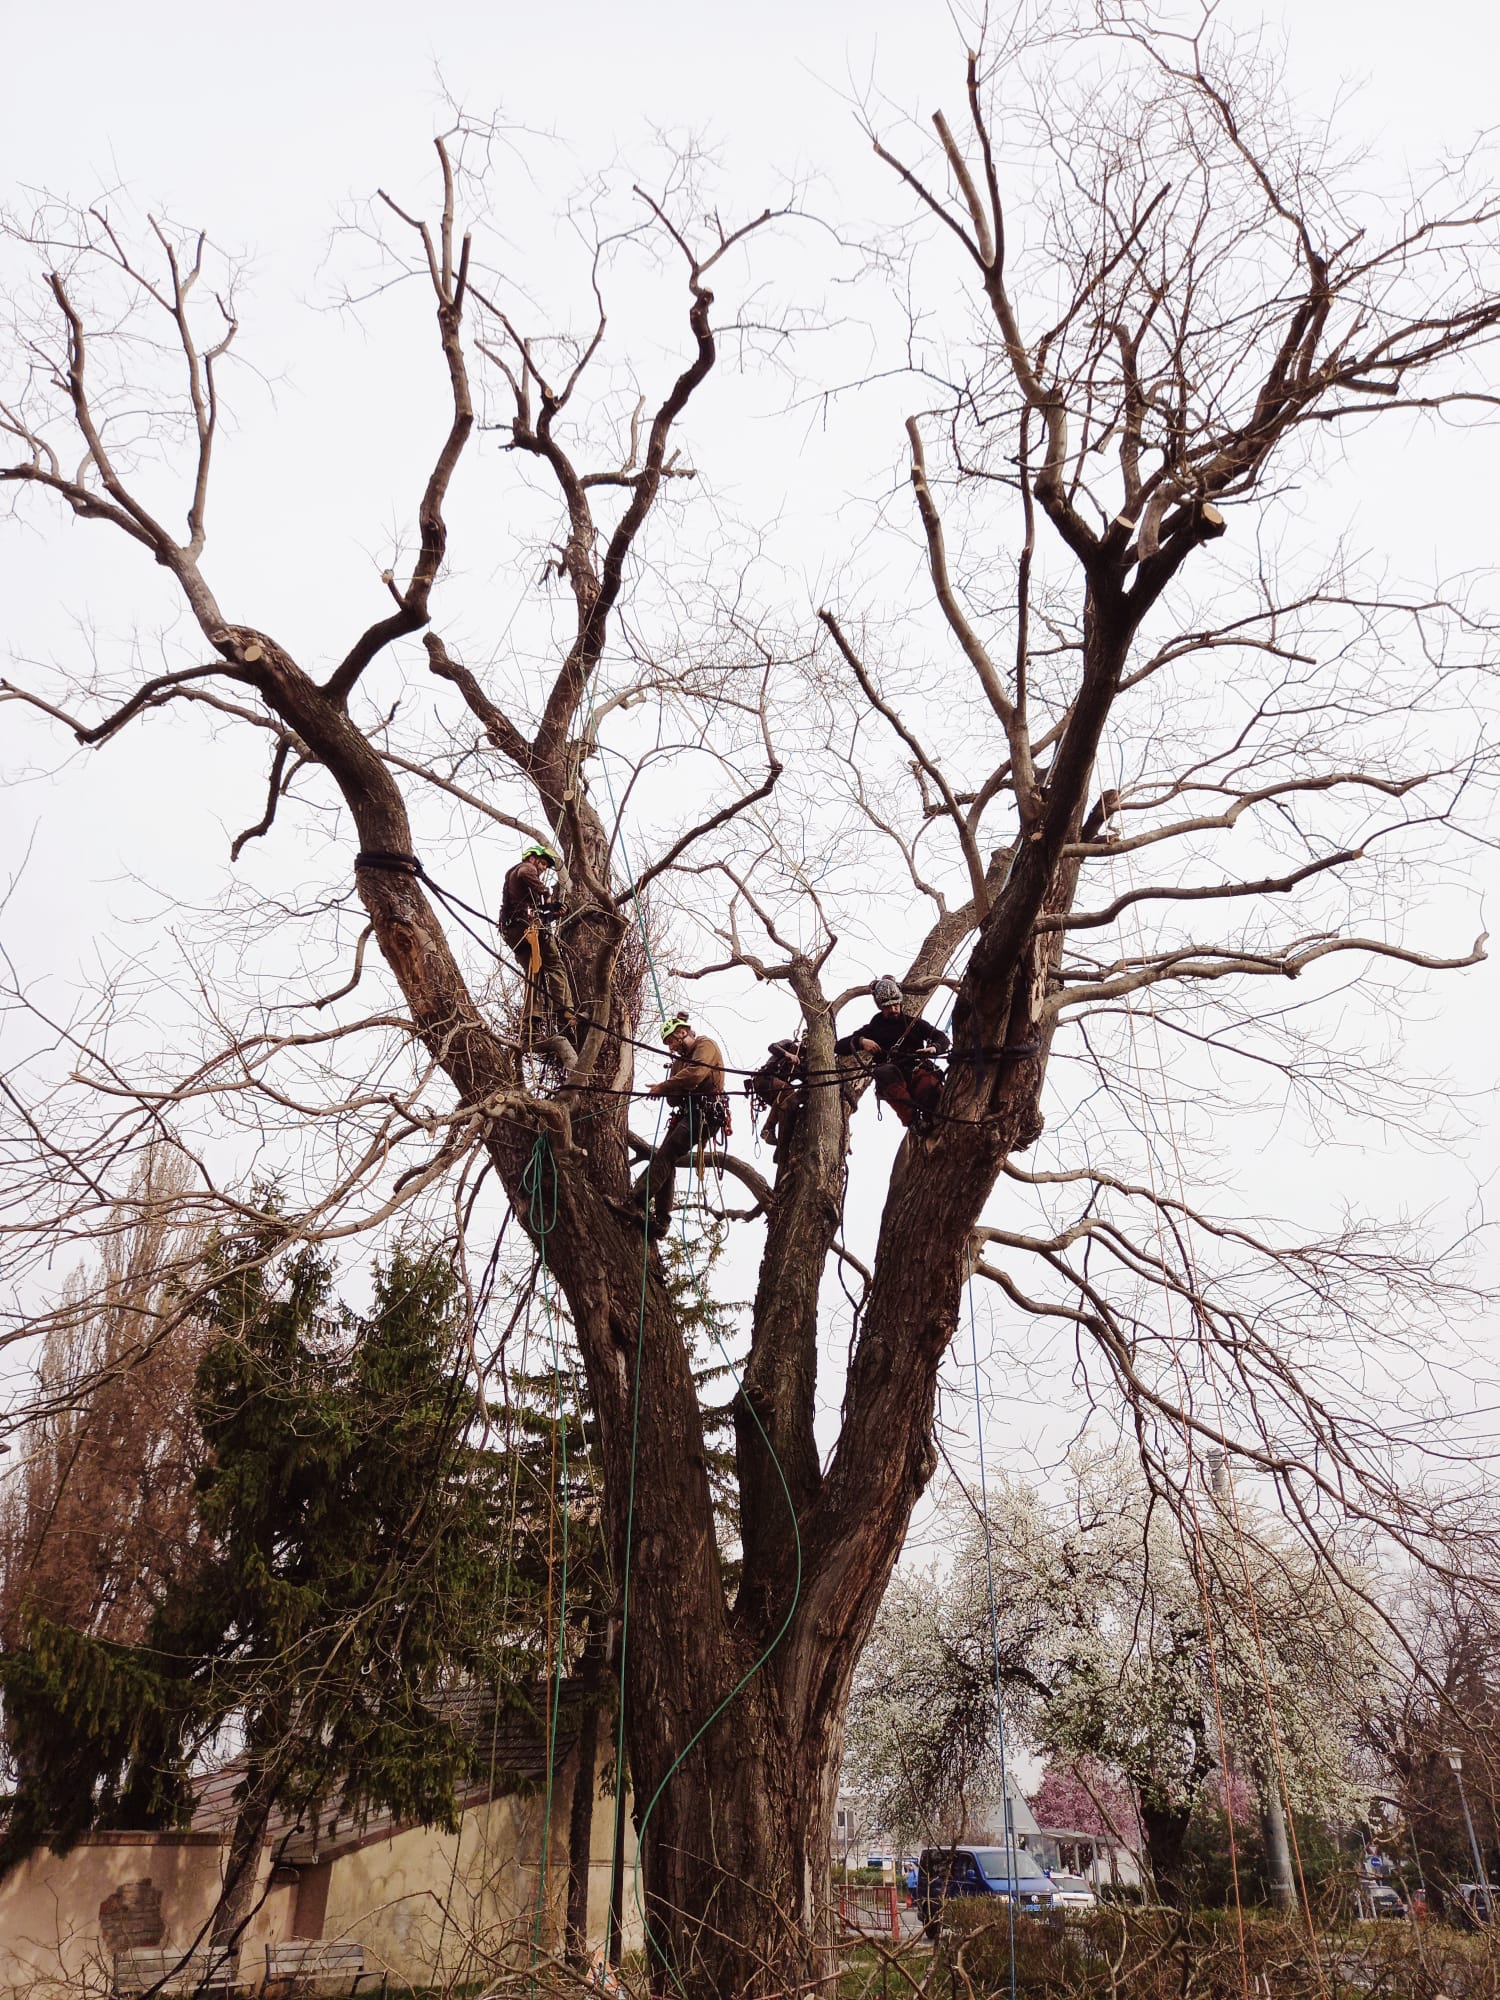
(1166, 1835)
(734, 1713)
(233, 1909)
(736, 1853)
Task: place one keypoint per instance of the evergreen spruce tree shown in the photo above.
(342, 1580)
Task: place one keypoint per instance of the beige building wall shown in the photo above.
(49, 1907)
(425, 1905)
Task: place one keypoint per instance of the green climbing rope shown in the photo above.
(760, 1661)
(533, 1181)
(754, 1668)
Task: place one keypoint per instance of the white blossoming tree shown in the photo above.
(1171, 1647)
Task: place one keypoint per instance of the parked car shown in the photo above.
(1071, 1892)
(1477, 1902)
(945, 1874)
(1378, 1900)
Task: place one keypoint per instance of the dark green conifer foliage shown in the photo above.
(691, 1256)
(344, 1581)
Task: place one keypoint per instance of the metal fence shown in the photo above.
(872, 1909)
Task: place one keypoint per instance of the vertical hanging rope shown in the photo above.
(754, 1668)
(542, 1220)
(1212, 1374)
(1195, 1541)
(634, 1444)
(635, 1406)
(635, 1420)
(989, 1577)
(1239, 1540)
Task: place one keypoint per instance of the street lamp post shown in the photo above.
(1481, 1883)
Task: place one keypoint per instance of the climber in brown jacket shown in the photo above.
(529, 910)
(694, 1087)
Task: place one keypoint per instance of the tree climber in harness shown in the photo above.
(694, 1087)
(776, 1090)
(906, 1077)
(529, 909)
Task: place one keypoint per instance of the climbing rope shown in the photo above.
(635, 1400)
(712, 1321)
(533, 1181)
(542, 1220)
(1194, 1551)
(830, 1077)
(751, 1671)
(989, 1577)
(635, 1422)
(1195, 1294)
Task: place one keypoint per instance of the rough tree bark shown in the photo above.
(1166, 1829)
(734, 1705)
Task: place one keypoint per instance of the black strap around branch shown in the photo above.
(386, 862)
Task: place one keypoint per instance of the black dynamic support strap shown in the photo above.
(387, 863)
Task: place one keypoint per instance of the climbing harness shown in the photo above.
(772, 1090)
(831, 1078)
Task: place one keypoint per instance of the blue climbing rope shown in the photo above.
(989, 1572)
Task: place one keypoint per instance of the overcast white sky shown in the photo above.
(262, 121)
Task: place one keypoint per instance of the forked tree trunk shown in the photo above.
(736, 1855)
(735, 1709)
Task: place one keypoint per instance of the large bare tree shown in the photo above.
(1129, 753)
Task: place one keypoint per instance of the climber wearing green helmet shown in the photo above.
(529, 909)
(694, 1087)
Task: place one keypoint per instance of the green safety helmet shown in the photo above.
(672, 1025)
(541, 853)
